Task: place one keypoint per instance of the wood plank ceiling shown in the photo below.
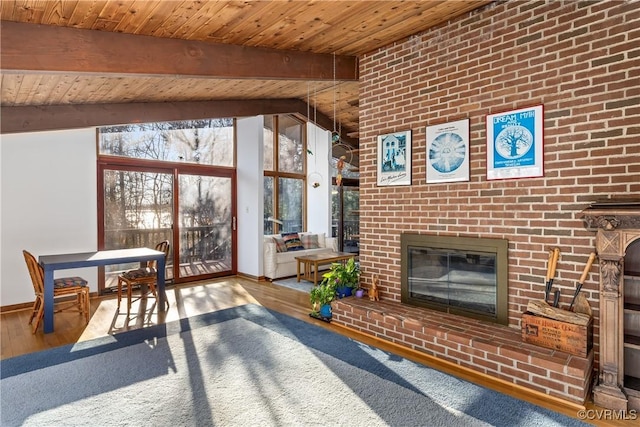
(94, 62)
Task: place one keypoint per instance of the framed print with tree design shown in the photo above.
(515, 142)
(394, 159)
(448, 152)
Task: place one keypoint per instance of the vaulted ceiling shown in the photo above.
(78, 63)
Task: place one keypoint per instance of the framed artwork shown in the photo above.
(448, 152)
(515, 142)
(394, 158)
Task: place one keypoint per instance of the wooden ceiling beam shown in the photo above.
(52, 49)
(59, 117)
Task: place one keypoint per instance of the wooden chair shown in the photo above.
(62, 287)
(143, 276)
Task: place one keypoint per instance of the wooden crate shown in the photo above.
(557, 335)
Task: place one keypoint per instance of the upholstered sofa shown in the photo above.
(280, 262)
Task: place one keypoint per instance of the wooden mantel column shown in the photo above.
(617, 225)
(608, 393)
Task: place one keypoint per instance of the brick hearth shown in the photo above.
(495, 350)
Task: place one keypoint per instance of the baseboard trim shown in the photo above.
(28, 305)
(15, 307)
(250, 276)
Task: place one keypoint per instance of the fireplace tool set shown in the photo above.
(569, 330)
(552, 263)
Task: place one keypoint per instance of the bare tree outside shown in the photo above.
(139, 205)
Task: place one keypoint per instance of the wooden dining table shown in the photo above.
(51, 263)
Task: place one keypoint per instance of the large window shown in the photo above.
(206, 142)
(171, 181)
(284, 174)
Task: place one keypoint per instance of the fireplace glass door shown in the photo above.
(452, 278)
(460, 275)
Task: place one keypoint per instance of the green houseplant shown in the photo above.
(344, 277)
(321, 296)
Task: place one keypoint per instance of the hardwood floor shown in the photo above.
(202, 297)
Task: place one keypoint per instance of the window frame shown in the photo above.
(276, 174)
(114, 162)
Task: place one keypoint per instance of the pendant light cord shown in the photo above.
(334, 91)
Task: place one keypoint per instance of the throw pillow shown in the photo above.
(321, 240)
(280, 245)
(310, 241)
(292, 241)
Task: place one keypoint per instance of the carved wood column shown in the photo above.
(608, 393)
(615, 223)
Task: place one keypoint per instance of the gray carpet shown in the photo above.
(245, 366)
(292, 282)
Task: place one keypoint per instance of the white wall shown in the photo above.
(250, 194)
(318, 199)
(49, 204)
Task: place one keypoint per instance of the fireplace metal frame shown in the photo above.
(499, 247)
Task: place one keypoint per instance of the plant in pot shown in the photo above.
(343, 276)
(321, 297)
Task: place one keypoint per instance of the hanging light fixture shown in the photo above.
(335, 135)
(314, 179)
(345, 159)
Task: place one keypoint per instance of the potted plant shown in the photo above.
(321, 297)
(344, 277)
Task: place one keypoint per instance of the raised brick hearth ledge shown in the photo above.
(495, 350)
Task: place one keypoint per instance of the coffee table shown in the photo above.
(311, 263)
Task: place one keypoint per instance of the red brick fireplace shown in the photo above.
(504, 56)
(472, 333)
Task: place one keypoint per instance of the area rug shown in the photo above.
(292, 283)
(245, 366)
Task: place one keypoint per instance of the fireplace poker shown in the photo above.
(587, 267)
(556, 298)
(551, 271)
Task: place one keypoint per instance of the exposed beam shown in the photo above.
(58, 117)
(45, 48)
(61, 117)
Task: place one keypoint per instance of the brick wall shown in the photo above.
(581, 60)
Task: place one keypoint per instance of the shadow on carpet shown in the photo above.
(245, 366)
(292, 283)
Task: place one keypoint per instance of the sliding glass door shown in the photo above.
(169, 181)
(205, 225)
(195, 212)
(137, 212)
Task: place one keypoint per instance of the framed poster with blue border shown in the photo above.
(448, 152)
(515, 142)
(394, 158)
